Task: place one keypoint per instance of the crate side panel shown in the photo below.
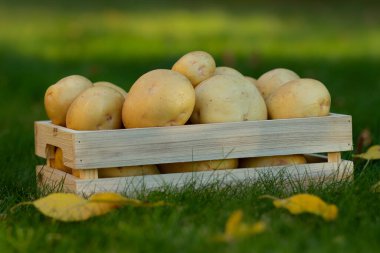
(211, 141)
(54, 179)
(46, 133)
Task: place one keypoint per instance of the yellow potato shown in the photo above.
(159, 98)
(59, 96)
(273, 79)
(227, 98)
(113, 86)
(198, 166)
(270, 161)
(222, 70)
(196, 66)
(57, 161)
(97, 108)
(252, 80)
(128, 171)
(299, 99)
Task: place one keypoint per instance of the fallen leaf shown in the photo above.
(236, 229)
(306, 203)
(364, 140)
(373, 153)
(119, 200)
(71, 207)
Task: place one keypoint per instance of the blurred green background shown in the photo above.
(336, 42)
(40, 42)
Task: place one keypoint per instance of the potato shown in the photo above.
(222, 70)
(128, 171)
(196, 66)
(252, 80)
(113, 86)
(299, 99)
(273, 79)
(159, 98)
(57, 161)
(97, 108)
(59, 96)
(198, 166)
(227, 98)
(270, 161)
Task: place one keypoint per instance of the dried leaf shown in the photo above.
(233, 223)
(373, 153)
(364, 140)
(236, 229)
(306, 203)
(71, 207)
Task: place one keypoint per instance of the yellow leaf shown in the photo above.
(233, 223)
(118, 200)
(373, 153)
(114, 199)
(71, 207)
(236, 229)
(307, 203)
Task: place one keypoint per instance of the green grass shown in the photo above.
(41, 43)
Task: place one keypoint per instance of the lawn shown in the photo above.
(43, 42)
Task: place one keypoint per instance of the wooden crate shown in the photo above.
(88, 151)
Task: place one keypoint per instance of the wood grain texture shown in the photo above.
(138, 184)
(47, 135)
(334, 157)
(87, 174)
(55, 180)
(126, 147)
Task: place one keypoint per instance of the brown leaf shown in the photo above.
(364, 140)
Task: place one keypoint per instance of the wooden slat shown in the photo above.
(132, 185)
(87, 174)
(334, 157)
(46, 134)
(114, 148)
(54, 179)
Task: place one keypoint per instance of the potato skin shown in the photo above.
(128, 171)
(57, 162)
(198, 166)
(196, 66)
(273, 79)
(223, 70)
(227, 98)
(252, 80)
(299, 99)
(160, 97)
(97, 108)
(111, 85)
(270, 161)
(59, 96)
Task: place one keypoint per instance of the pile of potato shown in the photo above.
(194, 91)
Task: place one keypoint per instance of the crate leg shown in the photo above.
(86, 174)
(50, 152)
(334, 157)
